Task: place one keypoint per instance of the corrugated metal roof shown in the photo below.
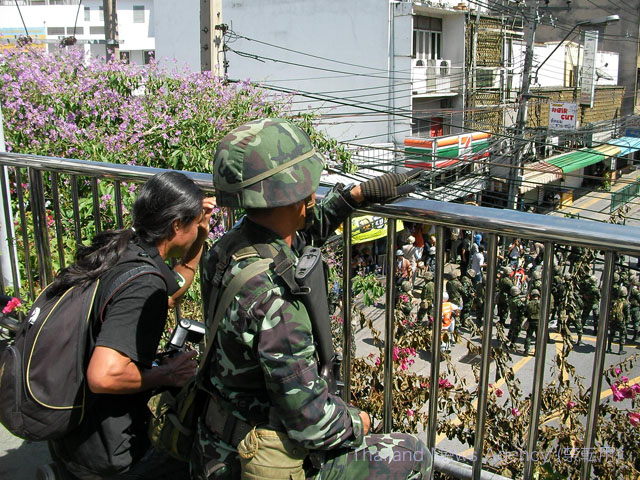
(569, 162)
(626, 144)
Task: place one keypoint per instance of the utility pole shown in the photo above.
(111, 29)
(515, 172)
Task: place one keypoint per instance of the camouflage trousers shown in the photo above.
(617, 329)
(635, 320)
(532, 330)
(392, 455)
(588, 308)
(514, 328)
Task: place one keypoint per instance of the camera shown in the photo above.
(187, 331)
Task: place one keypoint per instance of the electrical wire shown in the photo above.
(77, 14)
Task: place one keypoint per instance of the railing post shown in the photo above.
(598, 364)
(10, 231)
(541, 353)
(55, 194)
(95, 193)
(39, 211)
(487, 334)
(389, 314)
(346, 309)
(75, 201)
(117, 200)
(435, 343)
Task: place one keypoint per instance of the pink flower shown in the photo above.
(515, 412)
(570, 404)
(636, 387)
(498, 392)
(444, 383)
(618, 396)
(618, 371)
(409, 412)
(634, 418)
(628, 392)
(624, 379)
(11, 305)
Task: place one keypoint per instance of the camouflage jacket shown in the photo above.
(264, 362)
(516, 307)
(634, 297)
(468, 290)
(590, 293)
(532, 311)
(454, 289)
(504, 286)
(620, 311)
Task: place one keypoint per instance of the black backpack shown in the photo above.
(43, 393)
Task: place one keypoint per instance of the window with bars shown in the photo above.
(138, 14)
(427, 34)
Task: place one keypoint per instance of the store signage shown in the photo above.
(562, 116)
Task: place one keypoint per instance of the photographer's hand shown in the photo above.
(179, 369)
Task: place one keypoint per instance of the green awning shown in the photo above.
(569, 162)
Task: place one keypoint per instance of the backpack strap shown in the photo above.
(125, 278)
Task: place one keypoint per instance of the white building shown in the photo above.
(48, 21)
(355, 61)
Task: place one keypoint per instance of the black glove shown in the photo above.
(389, 186)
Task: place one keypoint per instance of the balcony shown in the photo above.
(435, 78)
(43, 225)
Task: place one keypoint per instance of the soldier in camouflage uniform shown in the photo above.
(468, 292)
(479, 300)
(620, 310)
(263, 370)
(516, 313)
(557, 291)
(591, 301)
(532, 312)
(426, 297)
(536, 282)
(573, 308)
(454, 288)
(504, 287)
(634, 301)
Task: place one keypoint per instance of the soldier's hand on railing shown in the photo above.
(389, 186)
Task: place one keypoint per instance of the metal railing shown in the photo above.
(609, 238)
(624, 195)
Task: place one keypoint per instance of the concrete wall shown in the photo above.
(178, 27)
(620, 37)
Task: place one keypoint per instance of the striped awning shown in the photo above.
(537, 174)
(572, 161)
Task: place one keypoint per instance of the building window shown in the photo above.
(125, 57)
(96, 30)
(101, 14)
(78, 30)
(427, 33)
(55, 30)
(148, 56)
(138, 14)
(87, 14)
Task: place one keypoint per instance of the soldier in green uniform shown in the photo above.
(468, 292)
(454, 288)
(536, 281)
(479, 300)
(634, 301)
(532, 312)
(573, 308)
(504, 288)
(557, 291)
(426, 297)
(516, 313)
(270, 413)
(617, 319)
(590, 294)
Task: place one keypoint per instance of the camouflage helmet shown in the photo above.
(428, 276)
(616, 277)
(265, 163)
(537, 275)
(515, 291)
(507, 271)
(454, 274)
(622, 291)
(592, 279)
(635, 280)
(535, 292)
(471, 273)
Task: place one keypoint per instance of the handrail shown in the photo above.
(549, 230)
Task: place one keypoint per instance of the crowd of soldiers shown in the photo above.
(574, 302)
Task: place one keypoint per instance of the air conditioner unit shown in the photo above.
(445, 67)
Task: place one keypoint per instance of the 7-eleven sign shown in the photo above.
(464, 144)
